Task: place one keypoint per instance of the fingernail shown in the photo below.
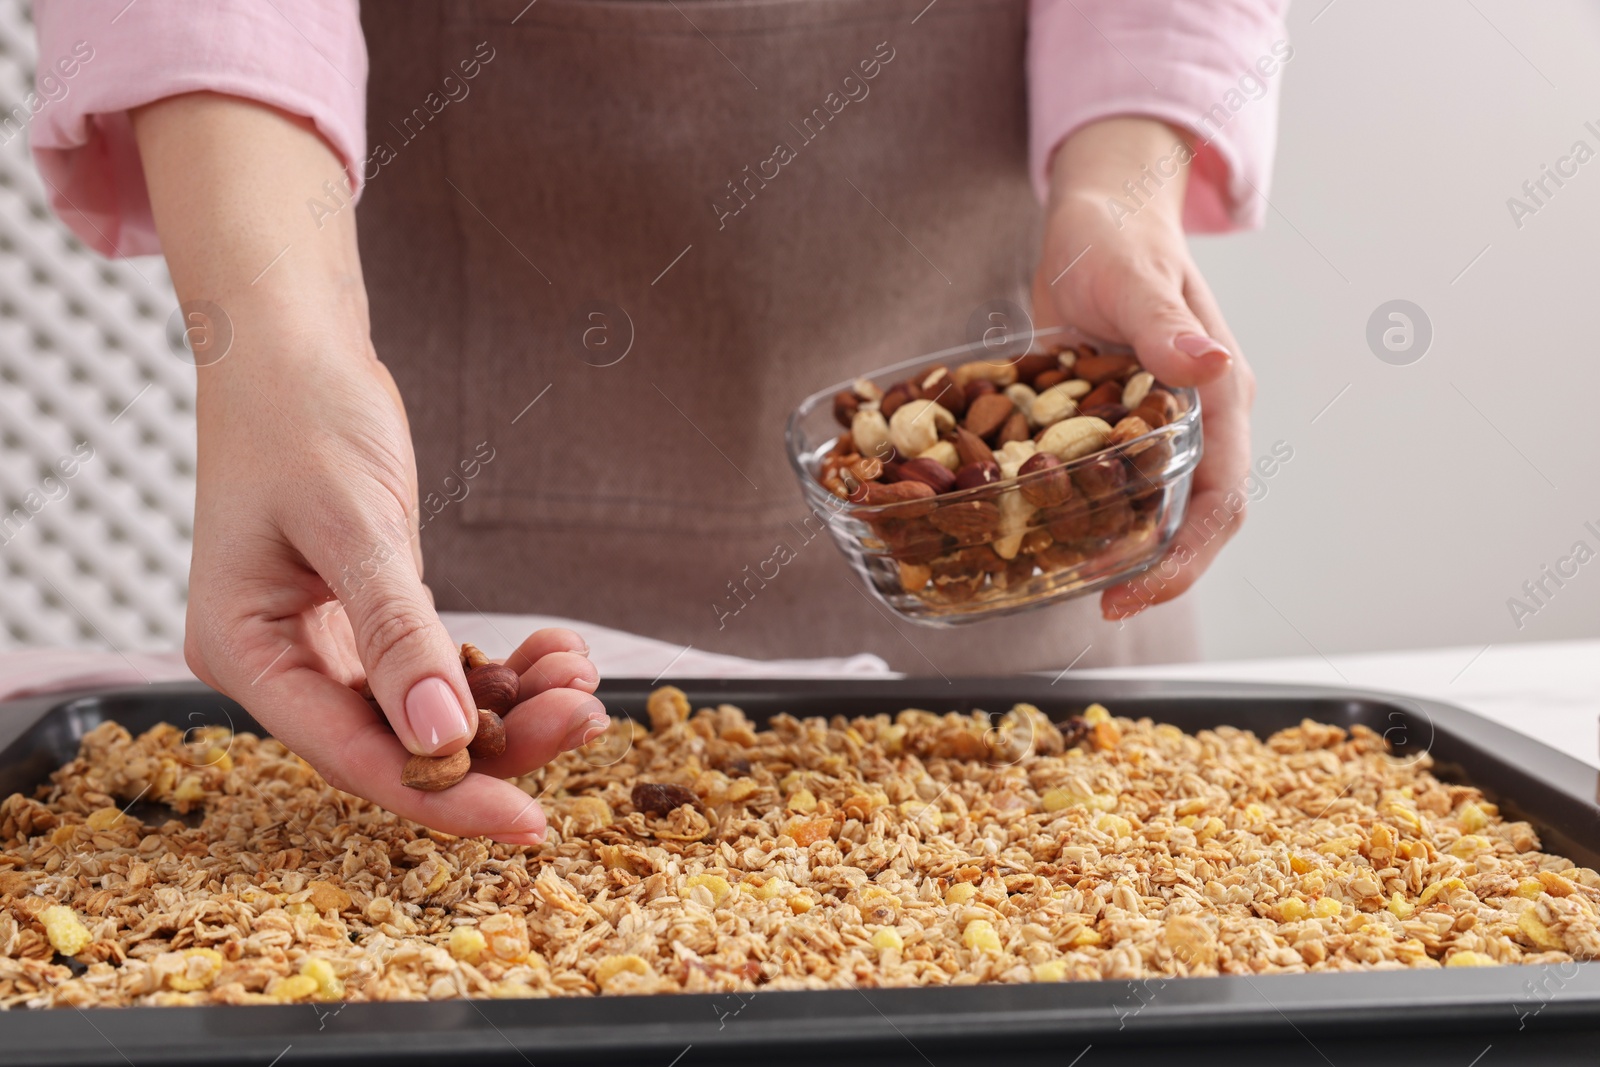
(584, 684)
(518, 839)
(1198, 345)
(435, 714)
(588, 723)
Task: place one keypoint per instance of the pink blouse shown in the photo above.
(1209, 66)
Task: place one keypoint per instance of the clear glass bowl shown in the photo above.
(972, 554)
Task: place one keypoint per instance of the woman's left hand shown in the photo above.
(1127, 276)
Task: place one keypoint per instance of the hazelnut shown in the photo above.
(1044, 490)
(845, 406)
(937, 385)
(973, 475)
(1127, 430)
(895, 399)
(494, 687)
(978, 388)
(490, 740)
(1101, 476)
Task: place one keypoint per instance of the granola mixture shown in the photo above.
(917, 850)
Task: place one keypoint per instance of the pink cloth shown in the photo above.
(1177, 60)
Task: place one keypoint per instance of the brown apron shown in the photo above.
(661, 225)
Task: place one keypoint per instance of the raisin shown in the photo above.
(660, 799)
(1074, 731)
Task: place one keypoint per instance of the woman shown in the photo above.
(605, 246)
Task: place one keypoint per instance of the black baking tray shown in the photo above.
(1468, 1017)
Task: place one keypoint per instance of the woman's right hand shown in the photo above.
(307, 576)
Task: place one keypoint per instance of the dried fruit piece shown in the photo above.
(666, 706)
(660, 798)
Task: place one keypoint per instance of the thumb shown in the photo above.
(1167, 336)
(412, 665)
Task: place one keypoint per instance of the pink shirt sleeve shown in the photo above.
(306, 57)
(1211, 67)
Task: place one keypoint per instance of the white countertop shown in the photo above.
(1548, 690)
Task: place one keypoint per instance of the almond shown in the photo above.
(913, 498)
(971, 448)
(1048, 379)
(930, 472)
(1034, 364)
(1108, 413)
(970, 522)
(433, 773)
(987, 413)
(1016, 428)
(1095, 367)
(1104, 393)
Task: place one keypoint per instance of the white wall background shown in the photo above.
(1426, 494)
(84, 361)
(1415, 505)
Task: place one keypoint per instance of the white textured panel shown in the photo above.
(84, 360)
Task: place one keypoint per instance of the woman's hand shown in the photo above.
(1129, 278)
(307, 576)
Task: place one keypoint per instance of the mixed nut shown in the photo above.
(494, 690)
(976, 480)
